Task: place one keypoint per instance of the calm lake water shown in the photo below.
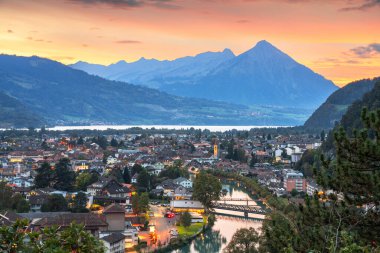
(216, 239)
(176, 127)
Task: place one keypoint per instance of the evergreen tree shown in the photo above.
(143, 179)
(126, 175)
(5, 196)
(114, 143)
(64, 176)
(45, 176)
(185, 219)
(80, 141)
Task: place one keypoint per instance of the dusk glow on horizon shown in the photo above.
(339, 39)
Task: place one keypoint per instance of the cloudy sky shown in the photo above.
(339, 39)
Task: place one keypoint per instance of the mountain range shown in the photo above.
(262, 75)
(49, 92)
(336, 105)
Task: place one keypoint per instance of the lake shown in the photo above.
(175, 127)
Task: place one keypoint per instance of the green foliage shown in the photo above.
(126, 175)
(174, 172)
(251, 184)
(55, 203)
(79, 202)
(185, 219)
(244, 240)
(15, 114)
(143, 179)
(5, 196)
(211, 220)
(136, 168)
(20, 204)
(336, 105)
(140, 203)
(101, 141)
(64, 176)
(346, 220)
(117, 173)
(45, 176)
(206, 189)
(16, 239)
(309, 162)
(84, 179)
(8, 200)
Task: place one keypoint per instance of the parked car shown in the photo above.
(169, 215)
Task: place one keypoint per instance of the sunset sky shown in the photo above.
(339, 39)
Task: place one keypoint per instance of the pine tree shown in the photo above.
(126, 175)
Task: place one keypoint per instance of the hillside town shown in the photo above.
(128, 188)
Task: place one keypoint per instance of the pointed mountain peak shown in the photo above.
(265, 50)
(264, 45)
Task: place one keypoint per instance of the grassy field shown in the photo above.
(189, 231)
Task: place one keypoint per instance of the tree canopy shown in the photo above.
(206, 189)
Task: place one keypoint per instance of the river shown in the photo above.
(216, 239)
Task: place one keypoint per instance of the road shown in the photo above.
(163, 226)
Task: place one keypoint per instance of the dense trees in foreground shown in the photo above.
(17, 238)
(345, 219)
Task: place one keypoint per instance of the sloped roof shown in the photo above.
(113, 238)
(64, 220)
(114, 208)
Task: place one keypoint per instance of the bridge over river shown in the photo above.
(239, 207)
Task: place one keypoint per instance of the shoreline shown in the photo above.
(214, 128)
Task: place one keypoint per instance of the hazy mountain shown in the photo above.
(336, 105)
(261, 76)
(63, 95)
(154, 73)
(15, 114)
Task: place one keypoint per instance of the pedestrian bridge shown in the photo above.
(244, 208)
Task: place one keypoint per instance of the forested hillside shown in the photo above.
(343, 216)
(14, 114)
(63, 95)
(331, 111)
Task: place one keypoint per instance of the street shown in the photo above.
(163, 226)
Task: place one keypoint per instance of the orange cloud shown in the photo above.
(313, 32)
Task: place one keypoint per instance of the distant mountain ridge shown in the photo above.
(262, 75)
(61, 95)
(336, 105)
(149, 72)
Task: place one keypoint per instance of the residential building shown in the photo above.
(294, 180)
(183, 182)
(114, 243)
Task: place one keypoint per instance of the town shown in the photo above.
(128, 187)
